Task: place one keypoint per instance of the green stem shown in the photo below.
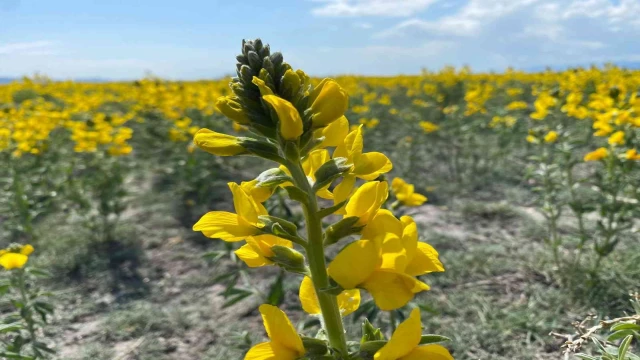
(27, 314)
(317, 265)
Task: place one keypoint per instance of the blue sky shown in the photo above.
(190, 39)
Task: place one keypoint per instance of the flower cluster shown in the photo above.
(321, 160)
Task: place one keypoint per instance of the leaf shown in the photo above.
(620, 334)
(5, 328)
(586, 357)
(276, 292)
(297, 194)
(12, 355)
(623, 326)
(624, 347)
(432, 338)
(341, 229)
(240, 295)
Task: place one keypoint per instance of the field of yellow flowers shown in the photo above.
(133, 215)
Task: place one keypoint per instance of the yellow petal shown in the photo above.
(366, 201)
(288, 117)
(404, 340)
(425, 261)
(246, 207)
(384, 221)
(392, 253)
(231, 108)
(314, 161)
(370, 165)
(343, 190)
(334, 133)
(262, 86)
(354, 264)
(328, 102)
(348, 300)
(431, 352)
(280, 330)
(308, 297)
(409, 235)
(252, 256)
(392, 290)
(26, 250)
(259, 194)
(352, 146)
(414, 200)
(217, 143)
(224, 225)
(11, 261)
(270, 351)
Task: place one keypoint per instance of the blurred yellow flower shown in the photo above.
(597, 154)
(284, 344)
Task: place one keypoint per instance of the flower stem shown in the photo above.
(317, 265)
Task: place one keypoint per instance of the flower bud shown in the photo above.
(328, 103)
(290, 83)
(217, 143)
(232, 109)
(288, 117)
(288, 258)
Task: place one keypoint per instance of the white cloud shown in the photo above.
(27, 48)
(490, 34)
(371, 7)
(363, 25)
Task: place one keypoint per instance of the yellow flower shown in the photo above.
(551, 137)
(517, 105)
(386, 261)
(405, 193)
(26, 250)
(257, 251)
(262, 86)
(366, 166)
(328, 102)
(532, 139)
(334, 133)
(597, 154)
(217, 143)
(348, 300)
(429, 127)
(233, 227)
(259, 194)
(285, 342)
(617, 138)
(311, 164)
(231, 108)
(288, 117)
(632, 154)
(405, 343)
(11, 260)
(366, 201)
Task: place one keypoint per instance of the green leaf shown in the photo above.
(432, 338)
(276, 292)
(5, 328)
(620, 334)
(240, 295)
(624, 347)
(624, 326)
(586, 357)
(314, 347)
(297, 194)
(371, 347)
(12, 355)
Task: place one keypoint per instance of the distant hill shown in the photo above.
(4, 80)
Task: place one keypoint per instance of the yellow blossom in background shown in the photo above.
(597, 154)
(551, 137)
(517, 105)
(616, 138)
(406, 194)
(15, 258)
(284, 344)
(632, 154)
(429, 127)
